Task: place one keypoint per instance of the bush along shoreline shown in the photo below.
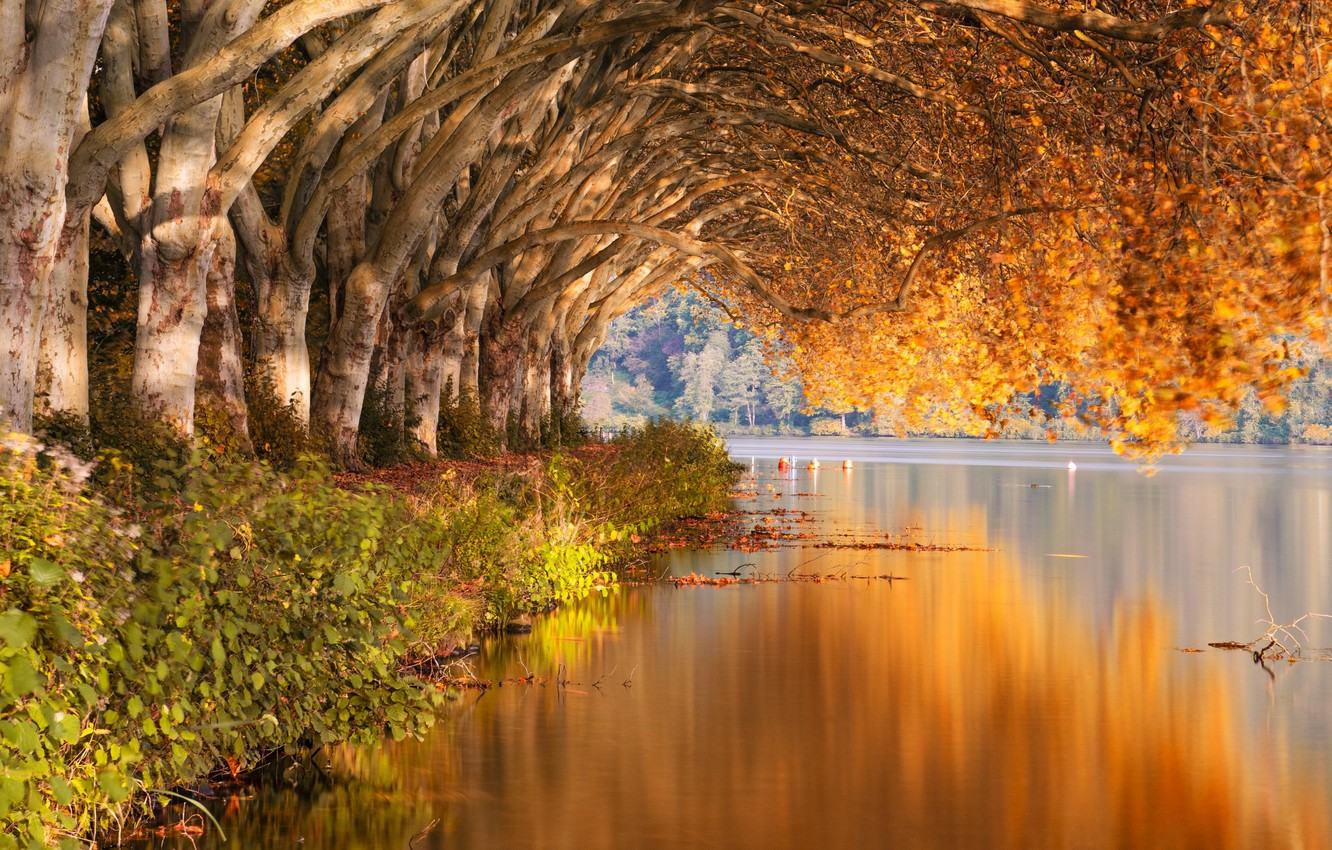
(158, 624)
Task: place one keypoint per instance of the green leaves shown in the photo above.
(44, 573)
(17, 628)
(188, 641)
(20, 677)
(275, 614)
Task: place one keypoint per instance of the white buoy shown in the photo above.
(1072, 467)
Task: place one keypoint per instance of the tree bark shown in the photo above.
(43, 80)
(339, 390)
(181, 242)
(221, 379)
(500, 356)
(469, 369)
(280, 351)
(424, 381)
(62, 369)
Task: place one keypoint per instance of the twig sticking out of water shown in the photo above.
(597, 683)
(411, 843)
(1277, 631)
(629, 683)
(736, 571)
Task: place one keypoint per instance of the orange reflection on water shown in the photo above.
(964, 709)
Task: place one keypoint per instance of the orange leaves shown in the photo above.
(1188, 232)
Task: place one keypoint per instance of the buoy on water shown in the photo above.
(781, 462)
(846, 464)
(1072, 467)
(814, 464)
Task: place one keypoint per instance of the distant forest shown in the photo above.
(679, 357)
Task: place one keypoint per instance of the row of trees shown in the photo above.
(949, 200)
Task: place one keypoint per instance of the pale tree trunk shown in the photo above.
(62, 370)
(424, 382)
(500, 356)
(339, 391)
(345, 245)
(282, 301)
(221, 379)
(280, 351)
(474, 315)
(454, 345)
(562, 394)
(391, 347)
(535, 406)
(173, 303)
(345, 224)
(44, 73)
(402, 351)
(179, 249)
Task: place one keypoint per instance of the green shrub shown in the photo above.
(276, 428)
(228, 612)
(384, 438)
(67, 429)
(664, 471)
(202, 609)
(464, 431)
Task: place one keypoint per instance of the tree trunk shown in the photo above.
(44, 73)
(173, 303)
(535, 404)
(392, 343)
(278, 341)
(424, 381)
(469, 380)
(186, 231)
(345, 244)
(454, 346)
(221, 378)
(282, 303)
(339, 391)
(500, 355)
(62, 369)
(560, 395)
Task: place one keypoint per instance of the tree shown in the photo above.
(944, 202)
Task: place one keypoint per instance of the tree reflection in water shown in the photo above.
(968, 707)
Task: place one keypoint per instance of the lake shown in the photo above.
(1036, 673)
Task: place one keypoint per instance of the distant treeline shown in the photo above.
(679, 357)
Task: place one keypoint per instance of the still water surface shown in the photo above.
(1033, 695)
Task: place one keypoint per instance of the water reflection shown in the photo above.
(993, 699)
(974, 710)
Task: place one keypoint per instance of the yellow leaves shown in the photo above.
(1273, 402)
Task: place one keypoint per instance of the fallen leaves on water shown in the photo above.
(897, 544)
(696, 580)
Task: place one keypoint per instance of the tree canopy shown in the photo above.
(938, 204)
